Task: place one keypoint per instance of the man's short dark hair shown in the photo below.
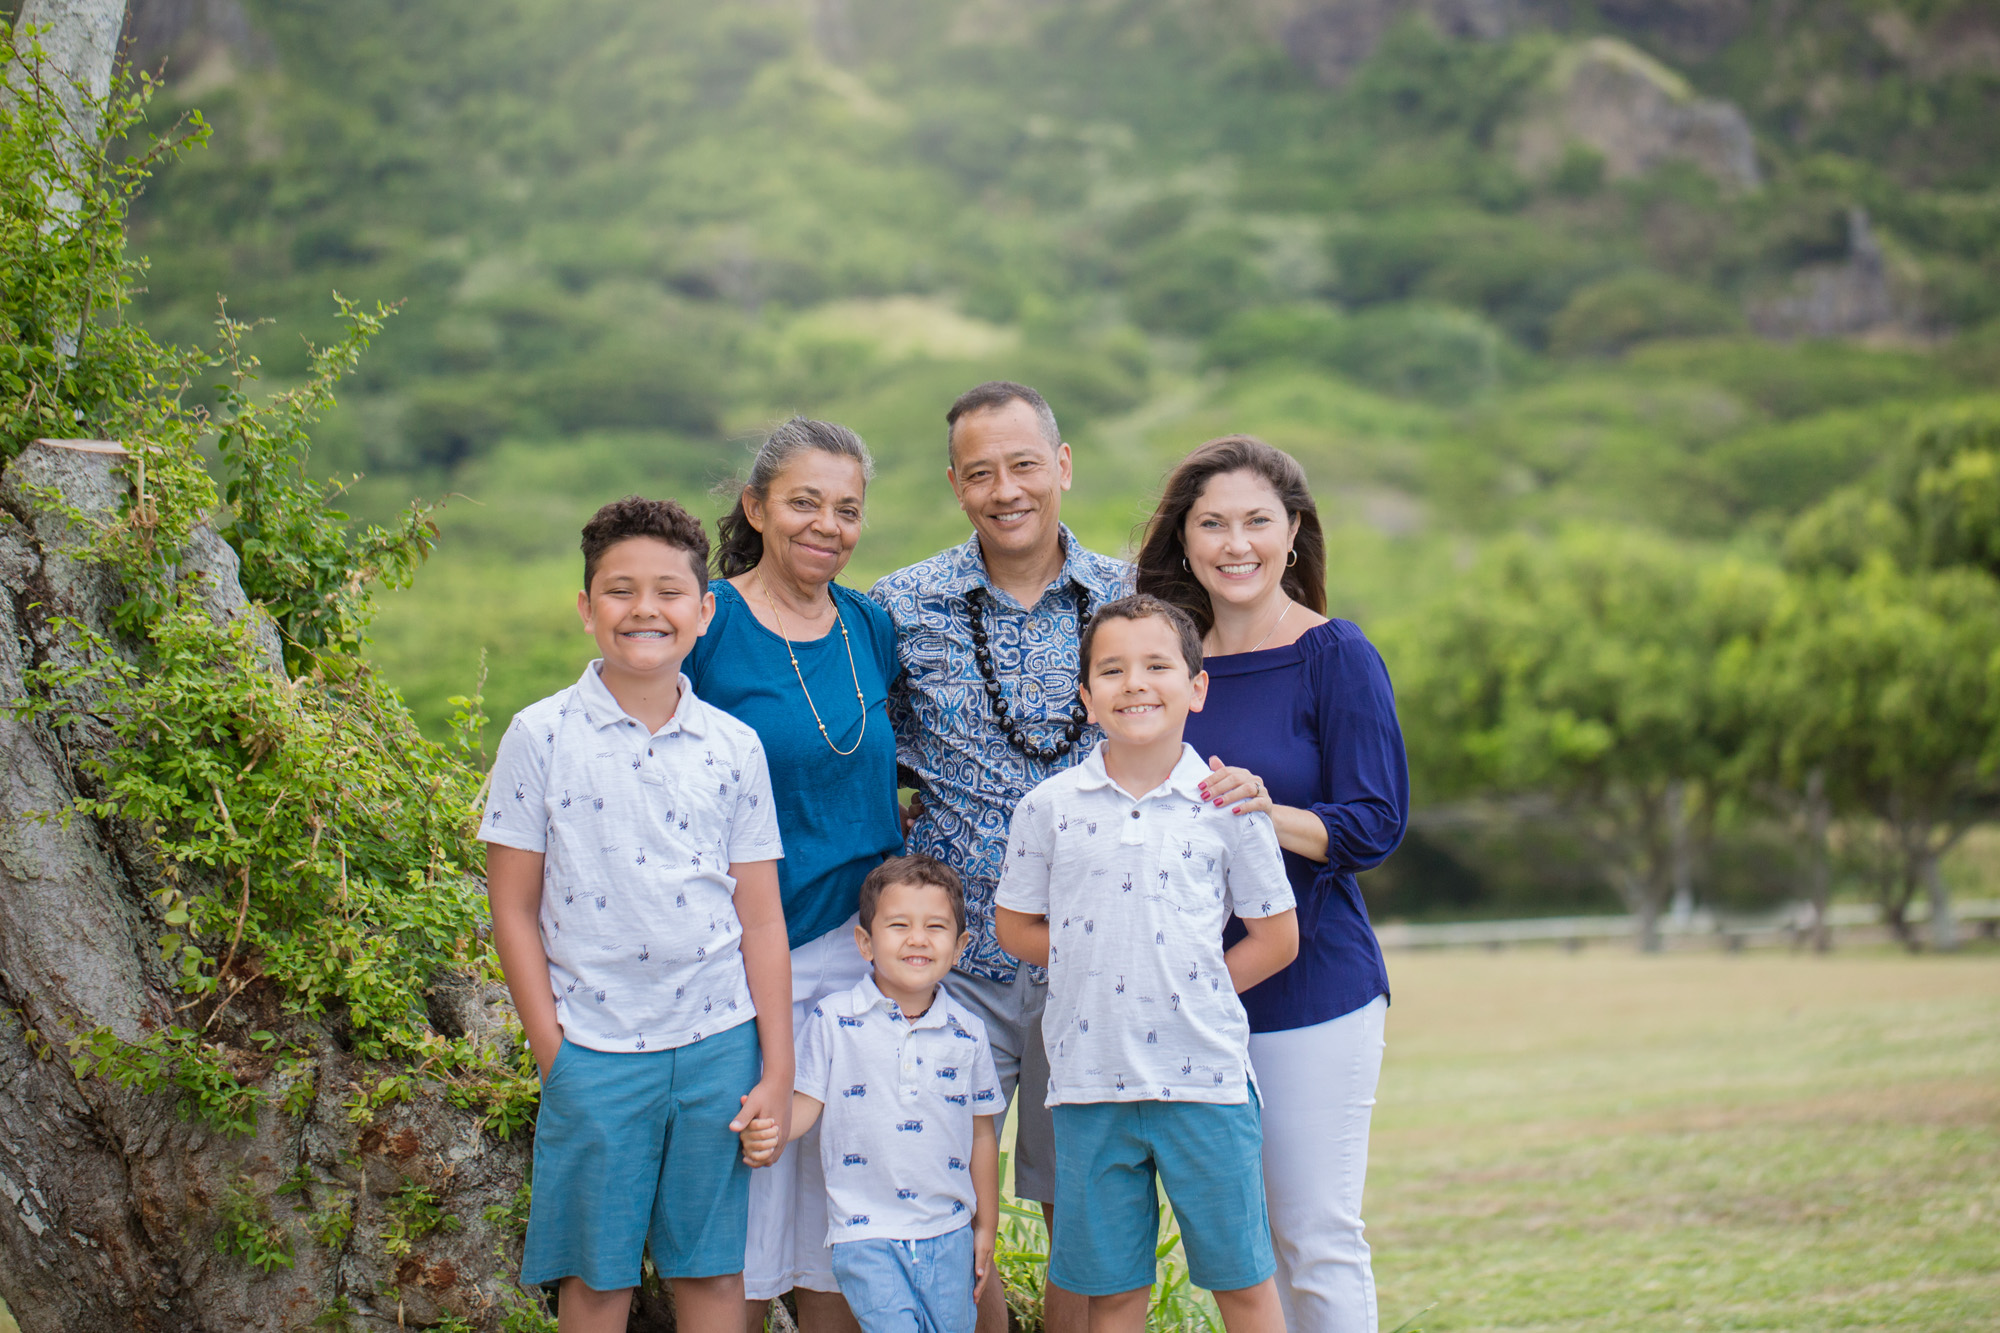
(1141, 606)
(999, 393)
(916, 868)
(635, 516)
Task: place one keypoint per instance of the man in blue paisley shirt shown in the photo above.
(986, 708)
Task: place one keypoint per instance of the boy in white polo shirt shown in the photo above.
(905, 1080)
(631, 864)
(1119, 878)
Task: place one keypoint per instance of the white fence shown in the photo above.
(1788, 925)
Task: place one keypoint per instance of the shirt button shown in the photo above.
(1135, 814)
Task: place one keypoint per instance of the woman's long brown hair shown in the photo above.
(1163, 569)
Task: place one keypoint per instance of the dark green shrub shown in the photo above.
(1580, 173)
(1615, 313)
(1518, 272)
(1421, 351)
(1312, 334)
(1190, 283)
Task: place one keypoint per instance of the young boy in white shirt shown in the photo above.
(1119, 878)
(904, 1078)
(631, 863)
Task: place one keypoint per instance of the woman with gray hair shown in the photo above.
(807, 663)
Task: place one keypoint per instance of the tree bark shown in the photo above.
(110, 1201)
(81, 43)
(1819, 868)
(1680, 851)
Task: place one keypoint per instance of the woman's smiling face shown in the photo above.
(1238, 537)
(811, 516)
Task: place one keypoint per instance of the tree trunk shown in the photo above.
(1819, 868)
(81, 43)
(1650, 880)
(1680, 852)
(111, 1203)
(1944, 929)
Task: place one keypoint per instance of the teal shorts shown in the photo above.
(634, 1150)
(1112, 1157)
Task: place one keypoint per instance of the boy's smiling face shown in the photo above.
(645, 607)
(912, 942)
(1139, 688)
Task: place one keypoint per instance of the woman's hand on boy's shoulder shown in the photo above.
(1227, 783)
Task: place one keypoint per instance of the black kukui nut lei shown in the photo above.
(1079, 716)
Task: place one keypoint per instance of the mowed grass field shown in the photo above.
(1752, 1141)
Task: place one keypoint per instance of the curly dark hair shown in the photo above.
(1140, 606)
(636, 516)
(916, 868)
(1162, 562)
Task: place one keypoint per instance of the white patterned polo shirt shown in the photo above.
(1137, 891)
(638, 830)
(900, 1096)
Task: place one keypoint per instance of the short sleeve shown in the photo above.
(902, 708)
(986, 1095)
(1024, 876)
(753, 826)
(707, 648)
(1256, 870)
(881, 636)
(814, 1070)
(515, 815)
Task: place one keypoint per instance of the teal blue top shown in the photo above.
(837, 814)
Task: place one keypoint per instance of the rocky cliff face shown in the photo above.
(111, 1203)
(1602, 93)
(1861, 296)
(1331, 38)
(1636, 113)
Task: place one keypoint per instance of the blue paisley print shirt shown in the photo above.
(947, 737)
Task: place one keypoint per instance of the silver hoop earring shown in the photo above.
(1186, 566)
(1291, 557)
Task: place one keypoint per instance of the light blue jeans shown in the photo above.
(908, 1286)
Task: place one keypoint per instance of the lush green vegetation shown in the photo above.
(310, 841)
(629, 236)
(1710, 1141)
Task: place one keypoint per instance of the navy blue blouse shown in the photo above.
(1316, 720)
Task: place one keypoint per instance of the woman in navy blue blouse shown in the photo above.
(1300, 723)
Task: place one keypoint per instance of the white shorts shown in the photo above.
(787, 1241)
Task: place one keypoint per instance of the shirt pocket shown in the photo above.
(1196, 859)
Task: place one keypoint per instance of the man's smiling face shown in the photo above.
(645, 607)
(1009, 480)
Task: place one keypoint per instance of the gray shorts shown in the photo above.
(1012, 1013)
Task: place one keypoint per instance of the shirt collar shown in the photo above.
(966, 569)
(601, 708)
(872, 998)
(1185, 780)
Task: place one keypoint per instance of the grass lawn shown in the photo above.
(1753, 1141)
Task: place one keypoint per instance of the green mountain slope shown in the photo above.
(628, 236)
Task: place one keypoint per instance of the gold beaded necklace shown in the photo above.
(859, 697)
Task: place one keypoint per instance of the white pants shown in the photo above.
(1318, 1087)
(787, 1245)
